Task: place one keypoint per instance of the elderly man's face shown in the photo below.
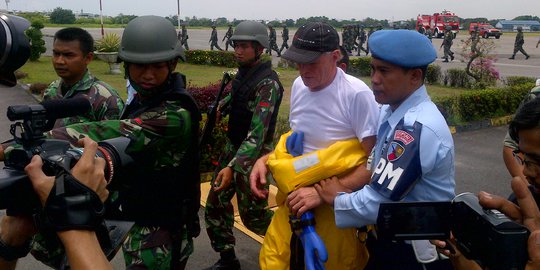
(321, 73)
(529, 146)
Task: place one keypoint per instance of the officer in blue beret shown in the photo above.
(413, 159)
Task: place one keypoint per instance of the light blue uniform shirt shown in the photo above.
(436, 183)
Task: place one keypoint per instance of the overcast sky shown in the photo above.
(289, 9)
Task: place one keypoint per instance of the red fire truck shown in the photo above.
(438, 22)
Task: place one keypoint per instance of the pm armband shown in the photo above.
(72, 206)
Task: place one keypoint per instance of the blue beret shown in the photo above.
(405, 48)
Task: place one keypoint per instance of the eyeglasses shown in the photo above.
(525, 160)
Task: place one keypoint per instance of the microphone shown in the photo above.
(62, 108)
(50, 109)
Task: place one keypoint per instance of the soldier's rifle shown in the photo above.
(211, 115)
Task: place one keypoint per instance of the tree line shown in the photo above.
(66, 16)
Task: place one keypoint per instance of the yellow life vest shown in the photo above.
(291, 172)
(346, 248)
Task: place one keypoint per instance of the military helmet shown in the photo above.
(139, 41)
(251, 30)
(519, 28)
(448, 27)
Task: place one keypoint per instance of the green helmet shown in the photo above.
(150, 39)
(251, 30)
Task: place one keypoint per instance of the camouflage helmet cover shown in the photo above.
(140, 41)
(251, 30)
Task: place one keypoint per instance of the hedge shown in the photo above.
(361, 66)
(482, 104)
(212, 58)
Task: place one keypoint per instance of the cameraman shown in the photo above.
(82, 246)
(523, 204)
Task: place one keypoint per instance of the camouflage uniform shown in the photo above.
(447, 44)
(273, 45)
(429, 34)
(285, 37)
(228, 36)
(219, 214)
(361, 40)
(371, 31)
(161, 137)
(214, 40)
(345, 38)
(475, 38)
(183, 37)
(518, 45)
(106, 104)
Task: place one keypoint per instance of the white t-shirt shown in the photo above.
(343, 110)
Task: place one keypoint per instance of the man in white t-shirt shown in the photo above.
(327, 106)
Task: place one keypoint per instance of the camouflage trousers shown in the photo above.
(273, 47)
(219, 213)
(519, 48)
(151, 248)
(448, 52)
(215, 44)
(145, 248)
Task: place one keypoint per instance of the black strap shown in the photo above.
(297, 253)
(71, 206)
(297, 249)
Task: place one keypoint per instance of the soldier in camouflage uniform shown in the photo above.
(228, 36)
(272, 39)
(361, 40)
(475, 38)
(285, 38)
(345, 38)
(160, 191)
(183, 37)
(253, 108)
(72, 52)
(518, 44)
(447, 44)
(371, 31)
(214, 39)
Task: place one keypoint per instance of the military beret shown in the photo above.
(405, 48)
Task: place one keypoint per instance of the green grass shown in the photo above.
(199, 75)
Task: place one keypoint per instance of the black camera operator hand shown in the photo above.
(82, 246)
(527, 213)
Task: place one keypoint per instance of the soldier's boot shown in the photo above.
(445, 60)
(452, 57)
(512, 57)
(527, 56)
(228, 261)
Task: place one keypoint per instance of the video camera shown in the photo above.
(485, 235)
(57, 155)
